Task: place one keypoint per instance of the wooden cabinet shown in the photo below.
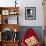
(9, 23)
(10, 43)
(6, 12)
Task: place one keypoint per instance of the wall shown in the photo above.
(27, 3)
(39, 12)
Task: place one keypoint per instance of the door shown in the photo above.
(44, 12)
(44, 21)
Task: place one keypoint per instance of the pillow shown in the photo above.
(31, 41)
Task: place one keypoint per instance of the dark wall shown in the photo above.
(37, 29)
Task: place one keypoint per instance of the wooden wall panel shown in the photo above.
(44, 4)
(44, 12)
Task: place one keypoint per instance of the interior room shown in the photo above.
(22, 23)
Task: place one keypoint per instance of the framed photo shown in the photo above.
(13, 12)
(5, 12)
(30, 13)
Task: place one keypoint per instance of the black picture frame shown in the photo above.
(30, 13)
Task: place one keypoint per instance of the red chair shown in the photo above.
(29, 33)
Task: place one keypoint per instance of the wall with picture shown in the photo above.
(39, 12)
(27, 3)
(36, 24)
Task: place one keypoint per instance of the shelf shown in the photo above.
(9, 10)
(9, 22)
(11, 41)
(4, 8)
(10, 26)
(9, 19)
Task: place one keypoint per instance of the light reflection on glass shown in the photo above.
(31, 12)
